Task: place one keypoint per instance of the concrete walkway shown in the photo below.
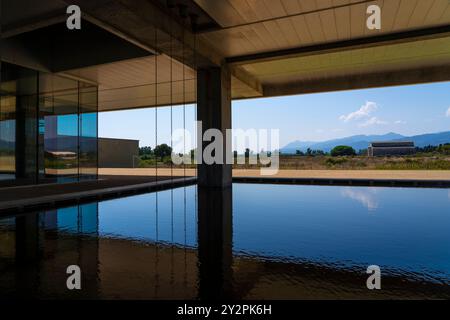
(49, 195)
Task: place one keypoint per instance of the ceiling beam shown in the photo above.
(362, 81)
(248, 79)
(363, 42)
(118, 33)
(35, 23)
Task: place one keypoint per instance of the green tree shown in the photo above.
(343, 151)
(444, 148)
(192, 153)
(145, 151)
(162, 151)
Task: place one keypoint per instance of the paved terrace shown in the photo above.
(49, 195)
(307, 174)
(401, 178)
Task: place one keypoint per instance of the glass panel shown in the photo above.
(178, 137)
(88, 133)
(162, 149)
(7, 136)
(46, 137)
(191, 140)
(68, 148)
(17, 125)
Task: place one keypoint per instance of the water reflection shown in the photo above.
(249, 242)
(366, 197)
(215, 246)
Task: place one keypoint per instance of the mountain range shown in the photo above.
(359, 142)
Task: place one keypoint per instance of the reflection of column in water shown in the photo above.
(37, 235)
(156, 247)
(215, 242)
(88, 248)
(185, 241)
(172, 244)
(27, 255)
(196, 213)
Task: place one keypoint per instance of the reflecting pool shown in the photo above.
(254, 241)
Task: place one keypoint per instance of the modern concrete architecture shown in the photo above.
(150, 53)
(198, 54)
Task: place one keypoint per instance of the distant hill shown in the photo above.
(359, 142)
(433, 139)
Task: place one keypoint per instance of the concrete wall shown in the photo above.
(117, 153)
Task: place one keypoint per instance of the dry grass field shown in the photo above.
(416, 162)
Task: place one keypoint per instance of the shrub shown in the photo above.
(343, 151)
(333, 162)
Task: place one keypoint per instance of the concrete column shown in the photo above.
(214, 111)
(26, 123)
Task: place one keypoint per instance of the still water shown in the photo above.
(251, 242)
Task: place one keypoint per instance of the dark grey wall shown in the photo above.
(117, 153)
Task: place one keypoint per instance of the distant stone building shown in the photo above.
(391, 148)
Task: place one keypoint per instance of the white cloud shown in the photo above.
(400, 122)
(448, 113)
(371, 122)
(363, 112)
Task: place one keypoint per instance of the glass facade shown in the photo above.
(18, 107)
(48, 128)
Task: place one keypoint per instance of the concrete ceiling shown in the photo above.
(131, 83)
(302, 46)
(273, 47)
(254, 26)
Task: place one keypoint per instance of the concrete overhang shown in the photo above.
(295, 47)
(272, 48)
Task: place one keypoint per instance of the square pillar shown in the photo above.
(214, 112)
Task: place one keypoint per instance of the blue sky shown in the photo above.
(408, 110)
